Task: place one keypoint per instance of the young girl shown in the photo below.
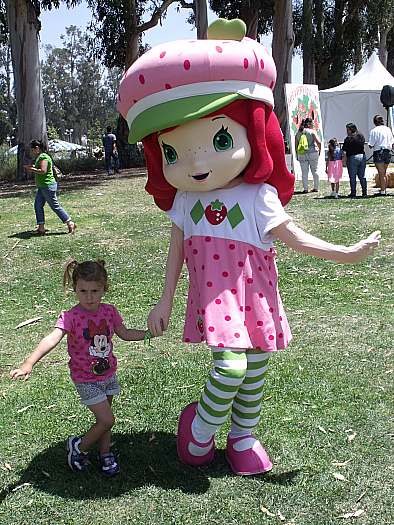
(89, 326)
(216, 165)
(334, 166)
(46, 188)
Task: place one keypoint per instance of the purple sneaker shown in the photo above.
(108, 464)
(76, 458)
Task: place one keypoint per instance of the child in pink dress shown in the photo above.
(334, 166)
(89, 326)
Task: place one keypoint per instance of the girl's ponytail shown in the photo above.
(67, 276)
(87, 270)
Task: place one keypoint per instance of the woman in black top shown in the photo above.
(353, 148)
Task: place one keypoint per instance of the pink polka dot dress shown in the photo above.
(233, 296)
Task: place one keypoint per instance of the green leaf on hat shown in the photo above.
(221, 29)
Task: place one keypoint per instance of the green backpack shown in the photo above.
(303, 144)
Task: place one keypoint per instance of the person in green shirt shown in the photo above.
(46, 188)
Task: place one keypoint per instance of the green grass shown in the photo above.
(328, 399)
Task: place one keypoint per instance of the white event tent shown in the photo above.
(56, 145)
(357, 101)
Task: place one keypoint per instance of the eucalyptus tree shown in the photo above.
(24, 28)
(78, 90)
(117, 27)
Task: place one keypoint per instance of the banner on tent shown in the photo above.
(302, 101)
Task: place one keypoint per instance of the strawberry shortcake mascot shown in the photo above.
(216, 165)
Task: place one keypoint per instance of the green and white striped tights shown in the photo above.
(237, 379)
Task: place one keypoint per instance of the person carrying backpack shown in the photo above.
(308, 146)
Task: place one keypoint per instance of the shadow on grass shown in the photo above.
(142, 461)
(68, 183)
(29, 235)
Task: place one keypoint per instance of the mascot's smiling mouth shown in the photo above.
(201, 176)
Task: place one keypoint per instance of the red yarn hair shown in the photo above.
(268, 155)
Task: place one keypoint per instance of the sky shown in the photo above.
(174, 27)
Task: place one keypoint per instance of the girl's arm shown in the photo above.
(41, 171)
(159, 316)
(303, 242)
(316, 139)
(129, 334)
(43, 348)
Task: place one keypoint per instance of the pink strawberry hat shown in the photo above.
(183, 80)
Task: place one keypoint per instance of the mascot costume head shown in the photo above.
(182, 81)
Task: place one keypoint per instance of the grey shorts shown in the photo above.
(97, 392)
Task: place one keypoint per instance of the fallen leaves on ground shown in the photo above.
(28, 321)
(24, 409)
(355, 514)
(266, 511)
(341, 464)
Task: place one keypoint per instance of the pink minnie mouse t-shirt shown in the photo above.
(89, 341)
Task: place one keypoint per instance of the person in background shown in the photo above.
(46, 188)
(381, 140)
(354, 155)
(334, 166)
(109, 143)
(310, 159)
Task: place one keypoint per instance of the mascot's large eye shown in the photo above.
(169, 153)
(222, 141)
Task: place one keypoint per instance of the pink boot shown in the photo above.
(246, 456)
(190, 451)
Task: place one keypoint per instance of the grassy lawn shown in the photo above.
(327, 419)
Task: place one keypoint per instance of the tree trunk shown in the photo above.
(309, 64)
(201, 17)
(24, 27)
(383, 54)
(250, 15)
(282, 52)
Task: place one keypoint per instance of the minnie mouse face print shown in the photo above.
(204, 154)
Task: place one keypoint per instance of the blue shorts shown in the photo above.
(383, 156)
(97, 391)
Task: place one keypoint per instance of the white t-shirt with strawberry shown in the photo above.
(233, 296)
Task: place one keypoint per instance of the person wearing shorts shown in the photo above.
(381, 140)
(89, 327)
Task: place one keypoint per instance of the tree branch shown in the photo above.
(156, 16)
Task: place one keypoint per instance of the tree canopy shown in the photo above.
(79, 93)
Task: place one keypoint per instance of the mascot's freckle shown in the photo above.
(216, 165)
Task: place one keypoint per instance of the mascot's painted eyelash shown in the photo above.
(223, 141)
(169, 153)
